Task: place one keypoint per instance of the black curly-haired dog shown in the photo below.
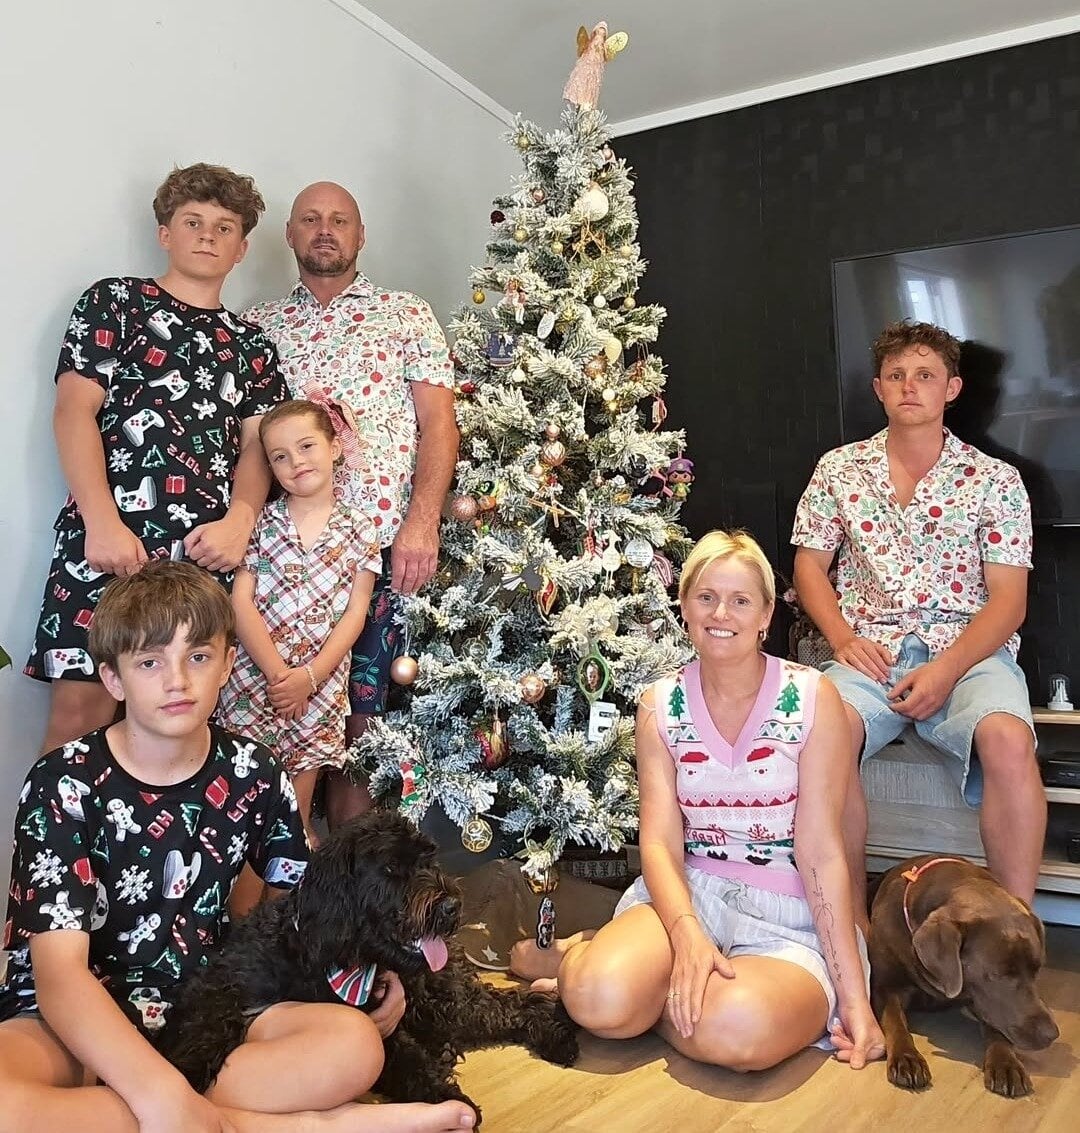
(373, 893)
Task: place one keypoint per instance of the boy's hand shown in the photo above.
(391, 1003)
(290, 693)
(114, 549)
(219, 545)
(186, 1112)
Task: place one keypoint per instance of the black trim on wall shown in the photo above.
(742, 215)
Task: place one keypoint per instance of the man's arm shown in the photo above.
(818, 599)
(221, 545)
(415, 553)
(110, 545)
(925, 689)
(93, 1028)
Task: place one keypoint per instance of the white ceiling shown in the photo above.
(685, 53)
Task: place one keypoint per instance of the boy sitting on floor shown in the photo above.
(127, 842)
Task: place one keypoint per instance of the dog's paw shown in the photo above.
(909, 1071)
(555, 1039)
(1004, 1074)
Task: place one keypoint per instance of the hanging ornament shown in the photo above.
(476, 835)
(600, 301)
(546, 881)
(487, 503)
(538, 471)
(552, 431)
(522, 141)
(593, 204)
(659, 412)
(593, 674)
(545, 916)
(638, 552)
(467, 387)
(553, 453)
(403, 670)
(596, 367)
(556, 247)
(607, 153)
(514, 298)
(629, 303)
(626, 251)
(493, 746)
(478, 295)
(412, 780)
(517, 374)
(538, 195)
(533, 688)
(610, 559)
(622, 769)
(520, 235)
(664, 570)
(501, 346)
(597, 479)
(546, 324)
(609, 397)
(546, 597)
(464, 508)
(497, 216)
(612, 348)
(680, 474)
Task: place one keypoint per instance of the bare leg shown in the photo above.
(247, 891)
(344, 798)
(1013, 816)
(615, 985)
(530, 962)
(771, 1010)
(304, 785)
(76, 707)
(854, 822)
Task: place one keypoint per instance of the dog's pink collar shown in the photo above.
(912, 875)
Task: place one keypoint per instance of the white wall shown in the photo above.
(97, 102)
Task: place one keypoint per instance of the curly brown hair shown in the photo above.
(903, 335)
(201, 182)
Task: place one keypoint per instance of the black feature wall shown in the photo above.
(742, 215)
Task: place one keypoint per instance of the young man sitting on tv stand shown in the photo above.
(933, 544)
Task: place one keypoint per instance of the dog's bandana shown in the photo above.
(352, 985)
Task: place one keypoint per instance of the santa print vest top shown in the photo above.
(738, 802)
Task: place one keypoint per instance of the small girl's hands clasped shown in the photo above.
(696, 958)
(289, 693)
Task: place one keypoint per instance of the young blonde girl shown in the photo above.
(300, 599)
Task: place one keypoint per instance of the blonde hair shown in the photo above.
(718, 545)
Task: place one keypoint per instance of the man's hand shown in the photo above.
(219, 545)
(114, 549)
(289, 694)
(414, 556)
(924, 690)
(392, 1004)
(871, 659)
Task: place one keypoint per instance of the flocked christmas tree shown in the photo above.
(552, 609)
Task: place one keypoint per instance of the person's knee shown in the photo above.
(735, 1033)
(598, 996)
(356, 1056)
(1006, 750)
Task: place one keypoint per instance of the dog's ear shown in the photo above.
(937, 944)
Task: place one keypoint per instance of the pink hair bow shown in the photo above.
(343, 420)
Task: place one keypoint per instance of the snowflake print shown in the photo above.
(237, 848)
(219, 466)
(78, 327)
(203, 378)
(134, 885)
(47, 869)
(78, 358)
(120, 460)
(119, 290)
(757, 833)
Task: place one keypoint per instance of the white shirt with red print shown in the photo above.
(364, 349)
(917, 569)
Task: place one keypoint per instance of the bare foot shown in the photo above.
(548, 987)
(388, 1117)
(533, 963)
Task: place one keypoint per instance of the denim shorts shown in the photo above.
(995, 684)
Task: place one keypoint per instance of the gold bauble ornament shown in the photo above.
(533, 687)
(553, 453)
(552, 431)
(478, 296)
(464, 508)
(600, 301)
(522, 141)
(404, 670)
(545, 882)
(626, 251)
(520, 235)
(556, 247)
(476, 835)
(629, 303)
(622, 768)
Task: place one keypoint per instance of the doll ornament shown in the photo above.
(594, 51)
(680, 475)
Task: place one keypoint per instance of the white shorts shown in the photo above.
(744, 920)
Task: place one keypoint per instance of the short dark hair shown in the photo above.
(903, 335)
(144, 610)
(201, 182)
(297, 408)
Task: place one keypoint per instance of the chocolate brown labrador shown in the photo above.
(943, 932)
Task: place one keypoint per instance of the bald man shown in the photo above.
(384, 355)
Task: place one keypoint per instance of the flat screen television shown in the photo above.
(1014, 303)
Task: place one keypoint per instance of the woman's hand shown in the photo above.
(184, 1112)
(857, 1036)
(696, 958)
(391, 1004)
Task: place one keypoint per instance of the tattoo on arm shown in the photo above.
(826, 924)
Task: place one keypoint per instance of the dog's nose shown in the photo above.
(449, 908)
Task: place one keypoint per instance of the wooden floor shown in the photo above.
(643, 1085)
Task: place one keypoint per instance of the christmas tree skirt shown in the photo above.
(500, 909)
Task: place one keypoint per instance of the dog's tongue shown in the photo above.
(434, 949)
